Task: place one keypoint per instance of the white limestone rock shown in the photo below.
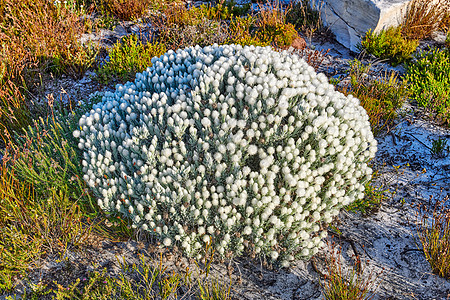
(349, 20)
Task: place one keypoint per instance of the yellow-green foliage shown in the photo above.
(373, 197)
(389, 44)
(224, 10)
(241, 31)
(128, 57)
(273, 29)
(429, 81)
(261, 31)
(280, 35)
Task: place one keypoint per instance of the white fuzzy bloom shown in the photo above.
(252, 150)
(167, 242)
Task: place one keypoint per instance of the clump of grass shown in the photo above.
(434, 235)
(389, 44)
(50, 32)
(180, 27)
(44, 204)
(440, 148)
(127, 57)
(429, 81)
(342, 284)
(126, 10)
(380, 98)
(304, 16)
(272, 27)
(423, 17)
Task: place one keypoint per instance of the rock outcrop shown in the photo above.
(349, 20)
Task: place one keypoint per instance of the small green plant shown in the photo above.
(429, 81)
(214, 290)
(389, 44)
(342, 284)
(334, 81)
(434, 235)
(373, 197)
(128, 57)
(440, 148)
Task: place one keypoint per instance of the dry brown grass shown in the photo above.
(126, 9)
(424, 17)
(36, 37)
(50, 33)
(179, 27)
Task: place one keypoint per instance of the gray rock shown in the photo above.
(349, 20)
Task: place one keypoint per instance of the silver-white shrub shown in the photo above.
(246, 148)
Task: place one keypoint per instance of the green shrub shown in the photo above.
(429, 81)
(224, 10)
(128, 57)
(389, 44)
(281, 34)
(267, 28)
